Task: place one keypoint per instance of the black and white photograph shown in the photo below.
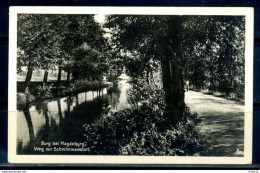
(92, 84)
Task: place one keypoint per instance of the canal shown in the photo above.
(62, 119)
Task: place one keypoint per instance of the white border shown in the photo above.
(248, 12)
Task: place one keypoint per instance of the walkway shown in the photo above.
(222, 123)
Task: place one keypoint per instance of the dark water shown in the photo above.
(62, 119)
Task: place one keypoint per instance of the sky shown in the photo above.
(100, 18)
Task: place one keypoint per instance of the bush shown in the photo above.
(149, 94)
(143, 131)
(24, 100)
(163, 138)
(151, 142)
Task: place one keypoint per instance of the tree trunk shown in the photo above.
(68, 77)
(45, 77)
(147, 76)
(68, 104)
(75, 74)
(59, 109)
(47, 120)
(211, 81)
(29, 124)
(173, 86)
(59, 77)
(28, 75)
(172, 69)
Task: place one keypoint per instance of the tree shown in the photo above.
(153, 41)
(36, 42)
(66, 42)
(215, 52)
(83, 46)
(175, 43)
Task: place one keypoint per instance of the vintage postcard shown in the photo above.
(130, 85)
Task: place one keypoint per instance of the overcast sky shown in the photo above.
(100, 18)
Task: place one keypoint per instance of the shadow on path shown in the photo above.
(222, 123)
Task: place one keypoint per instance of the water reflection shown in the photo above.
(61, 119)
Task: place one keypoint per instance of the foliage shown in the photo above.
(89, 64)
(24, 100)
(143, 131)
(145, 128)
(216, 60)
(81, 85)
(138, 39)
(42, 92)
(179, 141)
(73, 43)
(31, 41)
(149, 94)
(152, 43)
(206, 50)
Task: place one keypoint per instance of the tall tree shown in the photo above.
(83, 45)
(153, 41)
(176, 43)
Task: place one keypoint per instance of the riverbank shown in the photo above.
(39, 91)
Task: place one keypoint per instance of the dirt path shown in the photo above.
(222, 123)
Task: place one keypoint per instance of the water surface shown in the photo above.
(62, 119)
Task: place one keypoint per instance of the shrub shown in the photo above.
(143, 131)
(149, 94)
(180, 139)
(24, 100)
